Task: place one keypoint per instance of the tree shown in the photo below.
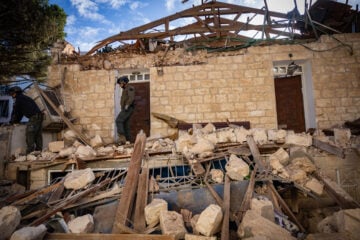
(27, 29)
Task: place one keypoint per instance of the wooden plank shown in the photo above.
(131, 182)
(66, 202)
(197, 168)
(141, 200)
(226, 210)
(285, 207)
(218, 199)
(344, 200)
(255, 152)
(245, 204)
(97, 236)
(63, 117)
(328, 148)
(36, 194)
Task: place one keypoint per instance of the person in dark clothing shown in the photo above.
(25, 106)
(127, 109)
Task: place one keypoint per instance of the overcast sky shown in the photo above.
(90, 21)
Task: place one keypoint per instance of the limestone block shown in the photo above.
(46, 155)
(240, 134)
(9, 220)
(209, 221)
(193, 222)
(342, 136)
(172, 224)
(297, 175)
(104, 216)
(236, 168)
(303, 163)
(56, 146)
(343, 221)
(153, 209)
(185, 140)
(281, 155)
(30, 233)
(85, 151)
(299, 139)
(212, 137)
(69, 135)
(96, 141)
(276, 135)
(260, 135)
(253, 225)
(209, 128)
(315, 186)
(105, 150)
(198, 237)
(79, 179)
(226, 135)
(217, 175)
(202, 145)
(264, 207)
(66, 152)
(82, 224)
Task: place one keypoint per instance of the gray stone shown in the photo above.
(172, 224)
(30, 233)
(83, 224)
(9, 219)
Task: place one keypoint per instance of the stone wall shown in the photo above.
(213, 87)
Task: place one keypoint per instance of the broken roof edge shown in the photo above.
(137, 32)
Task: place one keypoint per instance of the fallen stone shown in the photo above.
(85, 152)
(79, 179)
(254, 225)
(240, 134)
(342, 136)
(67, 152)
(56, 146)
(299, 139)
(236, 168)
(217, 175)
(315, 186)
(209, 221)
(264, 207)
(153, 209)
(104, 216)
(260, 135)
(208, 128)
(226, 135)
(9, 220)
(96, 141)
(277, 135)
(172, 224)
(202, 145)
(281, 155)
(30, 233)
(82, 224)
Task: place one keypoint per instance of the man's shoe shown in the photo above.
(121, 140)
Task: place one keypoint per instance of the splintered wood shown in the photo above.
(131, 183)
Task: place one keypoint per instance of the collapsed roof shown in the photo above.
(218, 25)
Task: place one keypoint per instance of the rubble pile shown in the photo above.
(261, 164)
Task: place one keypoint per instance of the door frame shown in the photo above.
(307, 89)
(118, 92)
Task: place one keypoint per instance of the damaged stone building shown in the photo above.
(233, 137)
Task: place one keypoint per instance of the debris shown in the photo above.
(9, 220)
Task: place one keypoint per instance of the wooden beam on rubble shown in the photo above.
(141, 200)
(226, 210)
(63, 117)
(131, 183)
(343, 199)
(328, 148)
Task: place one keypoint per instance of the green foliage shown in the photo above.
(27, 29)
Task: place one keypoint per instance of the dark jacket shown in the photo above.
(127, 97)
(24, 106)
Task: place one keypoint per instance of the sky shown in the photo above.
(90, 21)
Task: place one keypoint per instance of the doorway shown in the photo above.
(140, 120)
(290, 104)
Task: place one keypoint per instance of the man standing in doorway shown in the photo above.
(26, 106)
(127, 108)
